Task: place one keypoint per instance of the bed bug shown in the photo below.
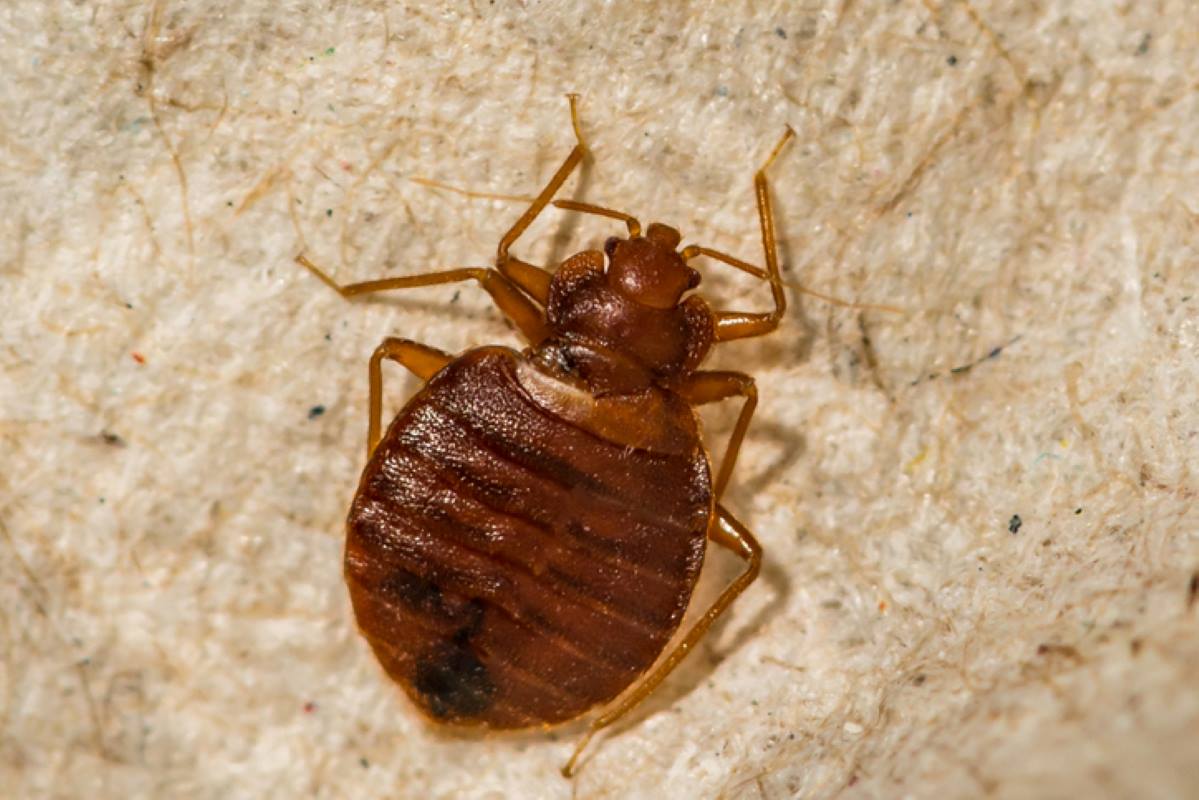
(527, 534)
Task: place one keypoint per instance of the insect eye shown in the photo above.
(610, 245)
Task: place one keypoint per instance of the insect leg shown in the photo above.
(712, 386)
(421, 360)
(523, 312)
(530, 278)
(739, 324)
(726, 531)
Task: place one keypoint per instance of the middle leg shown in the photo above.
(523, 312)
(419, 359)
(711, 387)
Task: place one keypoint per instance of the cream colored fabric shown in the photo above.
(182, 409)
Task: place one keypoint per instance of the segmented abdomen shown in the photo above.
(510, 568)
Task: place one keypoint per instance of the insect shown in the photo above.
(527, 534)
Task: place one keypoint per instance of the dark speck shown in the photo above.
(779, 32)
(952, 61)
(1078, 510)
(328, 212)
(454, 299)
(722, 91)
(315, 412)
(414, 590)
(454, 683)
(1013, 524)
(110, 438)
(1143, 47)
(364, 763)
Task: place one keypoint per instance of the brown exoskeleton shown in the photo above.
(527, 534)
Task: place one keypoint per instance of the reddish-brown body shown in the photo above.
(527, 534)
(512, 565)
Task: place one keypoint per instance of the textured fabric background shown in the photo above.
(979, 508)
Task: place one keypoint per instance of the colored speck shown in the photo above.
(882, 606)
(309, 707)
(315, 412)
(722, 91)
(138, 357)
(329, 212)
(111, 439)
(330, 51)
(1013, 524)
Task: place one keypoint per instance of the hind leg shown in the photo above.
(725, 531)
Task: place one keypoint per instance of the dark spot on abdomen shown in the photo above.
(424, 596)
(453, 683)
(414, 590)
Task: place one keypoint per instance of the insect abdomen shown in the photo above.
(511, 568)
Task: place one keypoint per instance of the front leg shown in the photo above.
(532, 279)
